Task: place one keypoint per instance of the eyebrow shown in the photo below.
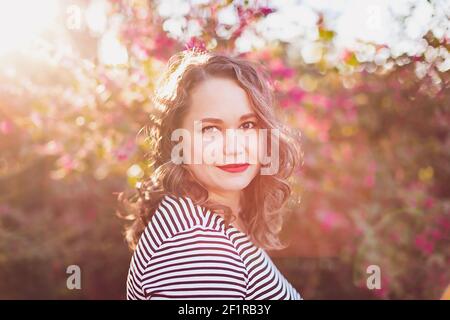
(242, 118)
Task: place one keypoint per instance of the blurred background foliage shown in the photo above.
(365, 82)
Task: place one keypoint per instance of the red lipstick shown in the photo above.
(240, 167)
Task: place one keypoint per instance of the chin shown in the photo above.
(234, 185)
(235, 181)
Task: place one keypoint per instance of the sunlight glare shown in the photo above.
(22, 20)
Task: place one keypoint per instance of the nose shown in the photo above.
(234, 146)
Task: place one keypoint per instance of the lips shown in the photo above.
(239, 167)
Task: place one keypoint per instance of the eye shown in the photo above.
(209, 129)
(248, 125)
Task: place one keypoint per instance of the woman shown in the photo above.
(201, 228)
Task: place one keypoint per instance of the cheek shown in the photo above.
(207, 174)
(252, 149)
(254, 170)
(199, 172)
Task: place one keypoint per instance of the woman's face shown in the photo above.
(224, 131)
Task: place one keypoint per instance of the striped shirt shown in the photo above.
(187, 252)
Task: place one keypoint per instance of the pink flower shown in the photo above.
(321, 101)
(196, 44)
(266, 10)
(293, 97)
(331, 220)
(67, 162)
(436, 234)
(296, 94)
(429, 203)
(444, 222)
(6, 127)
(278, 69)
(161, 47)
(423, 244)
(369, 180)
(125, 151)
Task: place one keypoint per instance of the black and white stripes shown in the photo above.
(187, 252)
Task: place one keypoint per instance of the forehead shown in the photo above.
(218, 98)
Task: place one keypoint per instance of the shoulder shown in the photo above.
(177, 218)
(184, 252)
(178, 212)
(196, 265)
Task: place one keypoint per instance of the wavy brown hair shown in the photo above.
(262, 200)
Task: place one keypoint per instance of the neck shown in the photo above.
(228, 198)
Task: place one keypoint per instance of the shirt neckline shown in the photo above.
(221, 219)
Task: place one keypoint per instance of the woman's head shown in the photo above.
(223, 108)
(222, 130)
